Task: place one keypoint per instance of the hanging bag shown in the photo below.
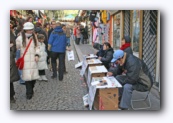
(20, 61)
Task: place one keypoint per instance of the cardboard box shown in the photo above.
(96, 71)
(106, 97)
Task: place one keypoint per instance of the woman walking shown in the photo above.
(30, 69)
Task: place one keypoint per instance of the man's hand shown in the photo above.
(11, 44)
(109, 74)
(100, 58)
(68, 49)
(36, 58)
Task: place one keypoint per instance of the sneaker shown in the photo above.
(120, 108)
(44, 78)
(40, 79)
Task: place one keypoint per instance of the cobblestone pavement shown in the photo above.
(54, 94)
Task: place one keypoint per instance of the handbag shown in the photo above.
(20, 61)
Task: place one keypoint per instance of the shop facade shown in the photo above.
(143, 26)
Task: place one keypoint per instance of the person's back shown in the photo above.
(128, 50)
(57, 40)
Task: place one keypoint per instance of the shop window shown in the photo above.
(136, 32)
(116, 31)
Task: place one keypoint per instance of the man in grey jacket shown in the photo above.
(136, 76)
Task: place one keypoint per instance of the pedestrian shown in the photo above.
(108, 55)
(78, 35)
(30, 70)
(42, 64)
(125, 45)
(136, 76)
(99, 47)
(82, 30)
(57, 45)
(53, 25)
(29, 19)
(46, 28)
(14, 76)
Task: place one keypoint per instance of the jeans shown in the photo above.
(81, 39)
(19, 71)
(61, 56)
(68, 41)
(125, 92)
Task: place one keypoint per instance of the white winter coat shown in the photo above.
(42, 64)
(30, 70)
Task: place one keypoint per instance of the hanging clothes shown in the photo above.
(92, 16)
(95, 36)
(108, 16)
(104, 16)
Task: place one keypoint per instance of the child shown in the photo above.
(42, 63)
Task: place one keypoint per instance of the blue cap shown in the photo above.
(117, 54)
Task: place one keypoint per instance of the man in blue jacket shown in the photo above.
(57, 45)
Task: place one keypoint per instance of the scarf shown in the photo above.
(123, 47)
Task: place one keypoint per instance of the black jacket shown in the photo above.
(134, 65)
(49, 32)
(101, 52)
(107, 57)
(92, 16)
(128, 50)
(14, 76)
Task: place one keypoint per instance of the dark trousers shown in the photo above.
(61, 57)
(41, 72)
(78, 41)
(12, 93)
(29, 87)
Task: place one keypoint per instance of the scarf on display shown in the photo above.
(123, 47)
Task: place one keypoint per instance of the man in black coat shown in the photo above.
(136, 76)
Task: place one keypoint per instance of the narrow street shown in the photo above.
(54, 94)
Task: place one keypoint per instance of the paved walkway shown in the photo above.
(54, 94)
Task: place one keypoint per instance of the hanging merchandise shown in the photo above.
(76, 19)
(95, 36)
(108, 16)
(104, 16)
(92, 16)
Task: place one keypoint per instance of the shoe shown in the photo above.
(53, 77)
(65, 72)
(40, 79)
(44, 78)
(22, 83)
(120, 108)
(28, 97)
(12, 100)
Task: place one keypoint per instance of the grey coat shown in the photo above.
(14, 76)
(128, 50)
(137, 74)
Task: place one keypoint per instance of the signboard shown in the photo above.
(70, 55)
(91, 96)
(84, 66)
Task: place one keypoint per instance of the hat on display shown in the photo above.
(117, 54)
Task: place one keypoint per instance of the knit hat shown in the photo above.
(127, 39)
